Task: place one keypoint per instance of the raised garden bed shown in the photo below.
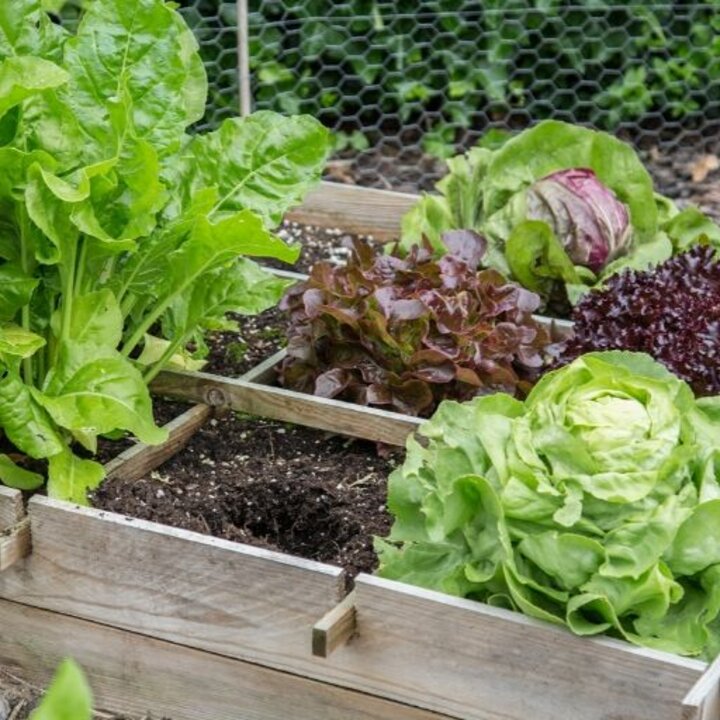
(214, 625)
(235, 621)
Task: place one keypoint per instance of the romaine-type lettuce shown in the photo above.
(554, 203)
(115, 222)
(593, 504)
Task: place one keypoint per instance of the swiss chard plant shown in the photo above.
(119, 231)
(563, 208)
(406, 333)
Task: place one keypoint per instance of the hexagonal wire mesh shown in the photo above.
(406, 83)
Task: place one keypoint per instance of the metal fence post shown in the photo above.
(243, 50)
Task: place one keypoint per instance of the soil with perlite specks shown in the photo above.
(284, 487)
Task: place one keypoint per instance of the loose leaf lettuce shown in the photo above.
(671, 312)
(407, 333)
(595, 503)
(114, 220)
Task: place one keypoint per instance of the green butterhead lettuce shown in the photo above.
(115, 220)
(593, 504)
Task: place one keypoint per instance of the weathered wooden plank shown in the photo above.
(482, 663)
(703, 700)
(264, 373)
(141, 459)
(335, 628)
(14, 544)
(133, 674)
(11, 507)
(355, 209)
(288, 406)
(172, 584)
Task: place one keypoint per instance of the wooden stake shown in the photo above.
(243, 50)
(15, 544)
(335, 628)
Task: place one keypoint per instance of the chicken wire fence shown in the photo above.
(405, 84)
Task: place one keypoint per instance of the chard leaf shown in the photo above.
(101, 396)
(22, 77)
(244, 288)
(70, 477)
(18, 342)
(16, 477)
(264, 162)
(211, 246)
(16, 289)
(24, 421)
(119, 67)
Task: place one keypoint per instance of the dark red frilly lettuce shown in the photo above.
(406, 333)
(671, 312)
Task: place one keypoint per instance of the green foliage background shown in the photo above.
(440, 67)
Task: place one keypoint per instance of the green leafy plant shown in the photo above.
(563, 208)
(68, 697)
(593, 504)
(407, 333)
(116, 225)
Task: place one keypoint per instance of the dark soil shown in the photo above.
(273, 485)
(164, 411)
(328, 244)
(257, 338)
(19, 698)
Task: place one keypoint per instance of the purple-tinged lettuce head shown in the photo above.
(592, 225)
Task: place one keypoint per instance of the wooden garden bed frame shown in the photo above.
(197, 628)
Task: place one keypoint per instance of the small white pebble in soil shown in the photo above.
(160, 494)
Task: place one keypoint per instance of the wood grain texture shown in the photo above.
(11, 507)
(286, 405)
(335, 628)
(15, 544)
(703, 700)
(355, 209)
(141, 459)
(133, 674)
(484, 663)
(172, 584)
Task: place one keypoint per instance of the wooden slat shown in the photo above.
(476, 662)
(133, 674)
(335, 628)
(221, 596)
(703, 700)
(288, 406)
(141, 459)
(355, 209)
(264, 373)
(11, 507)
(14, 544)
